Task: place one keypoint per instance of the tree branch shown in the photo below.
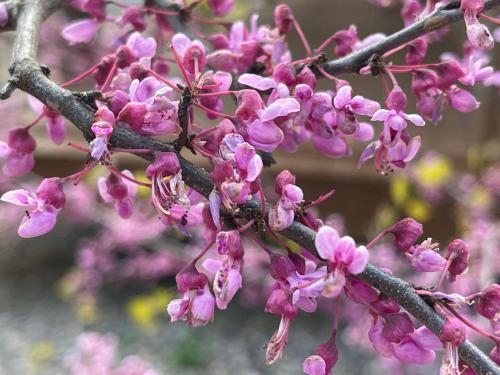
(30, 78)
(436, 20)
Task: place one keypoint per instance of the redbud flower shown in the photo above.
(406, 232)
(394, 118)
(342, 254)
(477, 33)
(425, 257)
(283, 18)
(282, 214)
(458, 253)
(323, 361)
(452, 334)
(488, 304)
(102, 127)
(279, 303)
(197, 304)
(119, 191)
(191, 53)
(41, 207)
(55, 122)
(18, 152)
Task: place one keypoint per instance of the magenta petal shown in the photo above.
(82, 31)
(396, 122)
(408, 351)
(257, 82)
(178, 309)
(368, 152)
(381, 115)
(380, 344)
(412, 149)
(214, 200)
(364, 132)
(143, 47)
(325, 241)
(254, 168)
(37, 224)
(426, 339)
(335, 146)
(18, 165)
(343, 97)
(415, 119)
(56, 129)
(4, 15)
(462, 100)
(265, 136)
(103, 190)
(212, 265)
(344, 249)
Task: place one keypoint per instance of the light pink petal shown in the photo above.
(363, 106)
(254, 168)
(4, 149)
(294, 193)
(314, 365)
(212, 265)
(36, 105)
(412, 148)
(82, 31)
(380, 344)
(265, 136)
(380, 115)
(396, 122)
(4, 15)
(280, 107)
(364, 132)
(415, 119)
(214, 200)
(19, 197)
(103, 190)
(180, 42)
(344, 250)
(368, 152)
(343, 97)
(360, 261)
(131, 186)
(325, 241)
(257, 82)
(37, 224)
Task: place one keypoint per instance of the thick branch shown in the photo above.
(31, 79)
(436, 20)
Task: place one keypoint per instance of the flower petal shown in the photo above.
(37, 223)
(19, 197)
(325, 241)
(360, 261)
(257, 82)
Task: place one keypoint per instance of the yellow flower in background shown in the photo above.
(145, 309)
(87, 312)
(41, 352)
(480, 197)
(418, 209)
(433, 171)
(399, 190)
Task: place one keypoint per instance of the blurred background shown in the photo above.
(95, 273)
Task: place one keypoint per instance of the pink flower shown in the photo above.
(314, 365)
(18, 152)
(119, 191)
(191, 53)
(406, 232)
(343, 256)
(347, 107)
(281, 215)
(477, 33)
(41, 207)
(425, 257)
(55, 122)
(197, 304)
(102, 127)
(82, 31)
(4, 15)
(394, 118)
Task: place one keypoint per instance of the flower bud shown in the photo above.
(416, 51)
(103, 69)
(21, 141)
(449, 72)
(284, 178)
(189, 279)
(194, 54)
(396, 99)
(458, 251)
(165, 164)
(462, 100)
(283, 18)
(284, 73)
(138, 71)
(453, 331)
(488, 304)
(281, 267)
(479, 36)
(406, 232)
(306, 77)
(116, 187)
(124, 57)
(280, 303)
